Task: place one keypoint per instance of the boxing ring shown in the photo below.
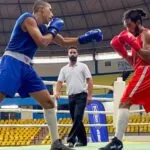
(118, 89)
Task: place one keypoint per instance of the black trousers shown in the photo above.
(77, 103)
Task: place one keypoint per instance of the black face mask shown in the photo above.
(73, 58)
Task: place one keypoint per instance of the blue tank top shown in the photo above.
(21, 41)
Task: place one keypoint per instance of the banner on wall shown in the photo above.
(98, 134)
(124, 66)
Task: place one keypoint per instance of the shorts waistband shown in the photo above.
(21, 57)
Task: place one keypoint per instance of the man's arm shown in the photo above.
(119, 47)
(59, 83)
(145, 51)
(90, 89)
(31, 27)
(130, 39)
(58, 89)
(54, 26)
(89, 81)
(92, 35)
(65, 41)
(144, 54)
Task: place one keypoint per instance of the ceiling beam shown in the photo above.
(92, 27)
(147, 5)
(87, 13)
(20, 8)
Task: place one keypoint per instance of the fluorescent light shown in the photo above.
(106, 56)
(109, 56)
(85, 58)
(65, 59)
(46, 60)
(9, 106)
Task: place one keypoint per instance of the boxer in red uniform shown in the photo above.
(138, 90)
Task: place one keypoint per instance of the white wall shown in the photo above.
(48, 69)
(53, 69)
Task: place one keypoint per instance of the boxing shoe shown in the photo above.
(79, 144)
(115, 144)
(57, 145)
(70, 144)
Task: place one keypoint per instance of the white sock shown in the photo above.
(122, 122)
(51, 118)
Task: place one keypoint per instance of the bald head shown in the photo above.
(40, 4)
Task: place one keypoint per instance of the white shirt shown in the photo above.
(75, 77)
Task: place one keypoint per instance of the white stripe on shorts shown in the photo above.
(18, 56)
(139, 82)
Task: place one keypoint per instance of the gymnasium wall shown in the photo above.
(54, 69)
(102, 67)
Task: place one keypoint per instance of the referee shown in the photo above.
(76, 75)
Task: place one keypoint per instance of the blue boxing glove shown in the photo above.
(92, 35)
(55, 26)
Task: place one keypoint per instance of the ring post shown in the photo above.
(119, 87)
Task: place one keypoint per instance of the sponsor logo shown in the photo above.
(96, 120)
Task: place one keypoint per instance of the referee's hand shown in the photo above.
(57, 95)
(89, 99)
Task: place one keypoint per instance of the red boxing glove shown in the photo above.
(129, 38)
(119, 47)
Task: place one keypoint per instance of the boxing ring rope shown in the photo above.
(95, 86)
(117, 89)
(65, 125)
(62, 111)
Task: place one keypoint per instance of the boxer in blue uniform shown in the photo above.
(16, 73)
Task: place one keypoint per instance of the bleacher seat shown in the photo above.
(11, 136)
(18, 136)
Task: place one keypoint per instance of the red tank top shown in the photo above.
(137, 60)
